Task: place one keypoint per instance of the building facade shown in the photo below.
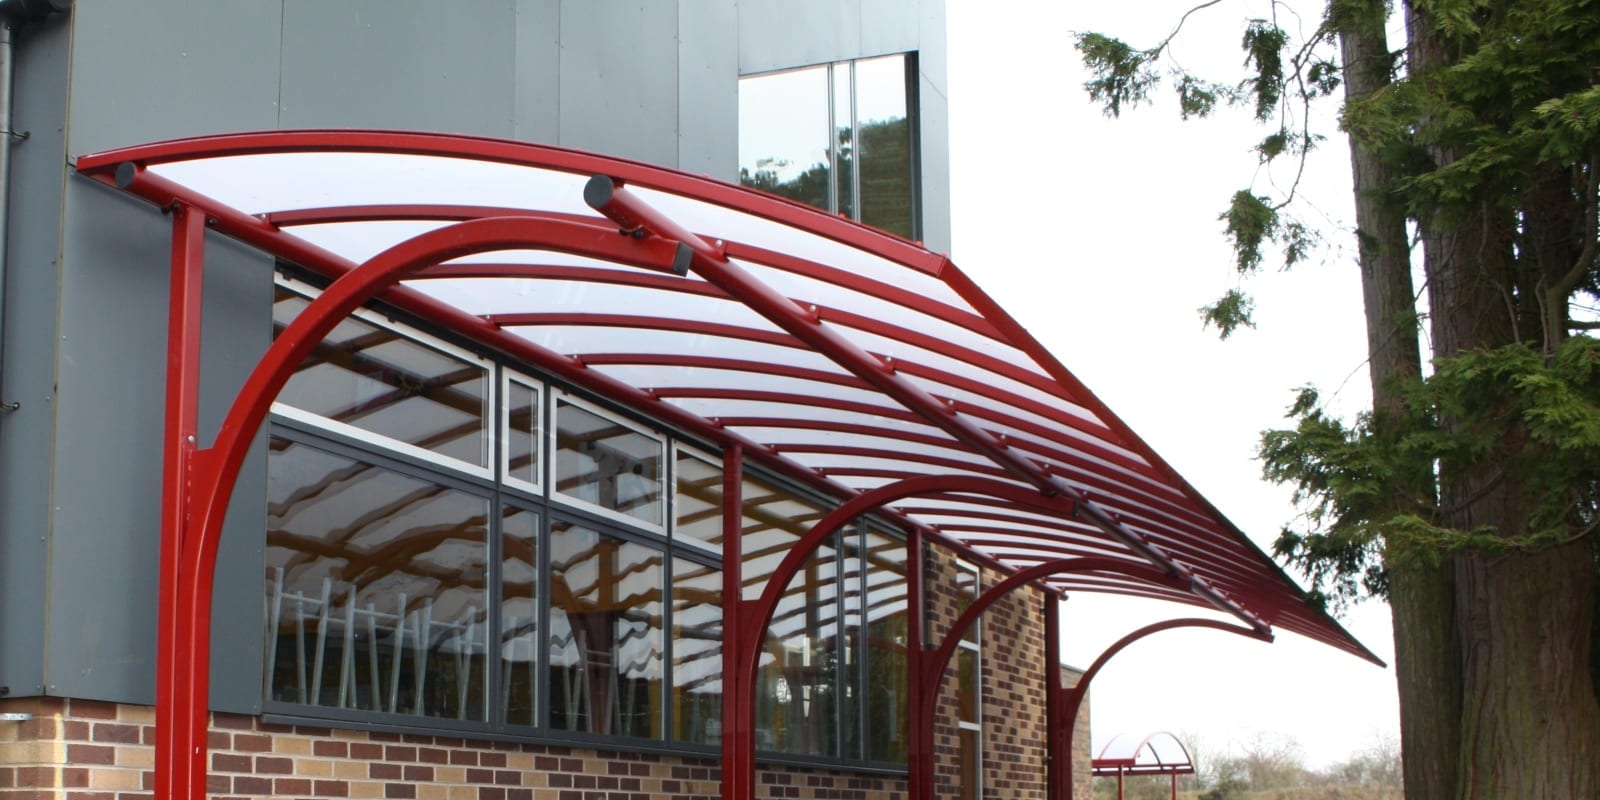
(317, 695)
(482, 544)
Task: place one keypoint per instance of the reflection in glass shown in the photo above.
(784, 143)
(698, 503)
(519, 615)
(605, 463)
(971, 760)
(522, 432)
(887, 185)
(804, 133)
(844, 129)
(605, 634)
(379, 381)
(798, 677)
(375, 595)
(696, 652)
(888, 693)
(852, 565)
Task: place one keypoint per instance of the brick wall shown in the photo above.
(1014, 719)
(86, 750)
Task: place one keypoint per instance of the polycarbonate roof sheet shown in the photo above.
(730, 371)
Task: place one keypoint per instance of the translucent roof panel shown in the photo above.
(834, 354)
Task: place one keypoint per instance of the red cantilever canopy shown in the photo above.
(829, 351)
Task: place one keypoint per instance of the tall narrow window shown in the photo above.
(969, 691)
(836, 136)
(606, 640)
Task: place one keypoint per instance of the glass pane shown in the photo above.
(967, 586)
(519, 614)
(844, 126)
(783, 134)
(523, 423)
(971, 759)
(605, 634)
(968, 686)
(375, 588)
(888, 692)
(696, 652)
(377, 380)
(884, 145)
(698, 504)
(797, 681)
(605, 463)
(852, 564)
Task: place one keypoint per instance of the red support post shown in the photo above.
(738, 708)
(919, 723)
(179, 769)
(1059, 732)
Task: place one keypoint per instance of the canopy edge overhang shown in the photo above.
(1237, 577)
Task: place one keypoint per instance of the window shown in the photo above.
(969, 691)
(608, 464)
(455, 545)
(837, 136)
(375, 595)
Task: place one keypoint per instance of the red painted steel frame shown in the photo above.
(180, 753)
(197, 483)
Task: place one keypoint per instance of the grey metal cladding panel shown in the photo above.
(408, 64)
(163, 69)
(101, 629)
(619, 78)
(30, 320)
(237, 329)
(890, 26)
(708, 88)
(538, 71)
(932, 55)
(779, 34)
(934, 132)
(107, 472)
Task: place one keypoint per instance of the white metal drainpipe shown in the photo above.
(13, 15)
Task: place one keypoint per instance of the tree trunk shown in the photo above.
(1529, 723)
(1530, 727)
(1427, 672)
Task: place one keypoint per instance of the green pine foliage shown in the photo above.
(1345, 475)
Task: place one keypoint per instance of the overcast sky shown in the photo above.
(1101, 237)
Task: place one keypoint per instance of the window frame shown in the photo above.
(379, 441)
(502, 492)
(913, 116)
(558, 497)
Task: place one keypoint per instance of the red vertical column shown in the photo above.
(180, 763)
(1059, 729)
(919, 719)
(738, 701)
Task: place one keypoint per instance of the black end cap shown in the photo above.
(126, 172)
(599, 191)
(681, 259)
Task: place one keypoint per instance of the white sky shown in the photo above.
(1101, 237)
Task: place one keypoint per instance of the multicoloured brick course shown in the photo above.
(87, 750)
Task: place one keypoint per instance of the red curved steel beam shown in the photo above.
(938, 659)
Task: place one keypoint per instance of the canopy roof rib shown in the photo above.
(833, 353)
